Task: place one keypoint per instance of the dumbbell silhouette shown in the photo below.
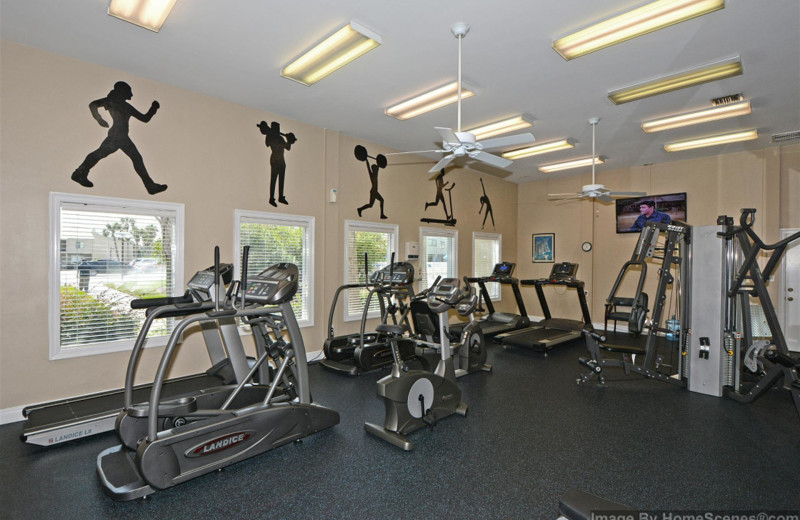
(361, 154)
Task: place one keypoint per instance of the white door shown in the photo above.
(789, 300)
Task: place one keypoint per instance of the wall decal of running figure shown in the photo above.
(277, 142)
(116, 104)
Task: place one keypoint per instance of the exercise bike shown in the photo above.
(467, 343)
(418, 398)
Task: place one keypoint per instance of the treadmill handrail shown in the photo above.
(169, 351)
(138, 346)
(336, 299)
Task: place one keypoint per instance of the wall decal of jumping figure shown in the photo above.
(121, 111)
(486, 203)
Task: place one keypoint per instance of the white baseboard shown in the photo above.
(11, 415)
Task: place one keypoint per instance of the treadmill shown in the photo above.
(493, 322)
(53, 423)
(551, 332)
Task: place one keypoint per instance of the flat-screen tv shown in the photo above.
(631, 213)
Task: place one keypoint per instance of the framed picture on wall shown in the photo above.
(543, 247)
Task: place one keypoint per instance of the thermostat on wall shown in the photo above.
(412, 250)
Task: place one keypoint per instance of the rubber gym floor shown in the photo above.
(530, 435)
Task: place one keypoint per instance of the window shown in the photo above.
(438, 255)
(486, 249)
(378, 241)
(105, 252)
(277, 238)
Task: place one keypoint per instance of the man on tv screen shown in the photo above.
(648, 213)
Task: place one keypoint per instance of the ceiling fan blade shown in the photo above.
(443, 162)
(448, 136)
(604, 198)
(509, 140)
(488, 158)
(562, 195)
(417, 151)
(627, 193)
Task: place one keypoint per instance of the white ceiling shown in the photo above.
(235, 49)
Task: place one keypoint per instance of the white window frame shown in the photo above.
(435, 232)
(281, 219)
(392, 230)
(495, 293)
(145, 207)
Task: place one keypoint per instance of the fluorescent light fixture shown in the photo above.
(428, 101)
(698, 116)
(529, 151)
(149, 14)
(714, 140)
(577, 163)
(645, 19)
(331, 54)
(500, 127)
(713, 72)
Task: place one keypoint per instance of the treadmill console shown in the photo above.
(274, 285)
(202, 281)
(502, 271)
(398, 273)
(563, 271)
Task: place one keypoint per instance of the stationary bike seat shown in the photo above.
(388, 328)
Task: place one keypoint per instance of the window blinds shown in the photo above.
(437, 257)
(106, 258)
(486, 253)
(273, 241)
(377, 245)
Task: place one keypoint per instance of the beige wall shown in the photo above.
(716, 185)
(213, 158)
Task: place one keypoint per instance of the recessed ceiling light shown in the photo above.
(712, 72)
(577, 163)
(696, 117)
(149, 14)
(428, 101)
(645, 19)
(713, 140)
(500, 127)
(529, 151)
(331, 54)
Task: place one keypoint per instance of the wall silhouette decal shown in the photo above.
(380, 162)
(121, 111)
(487, 204)
(277, 144)
(441, 187)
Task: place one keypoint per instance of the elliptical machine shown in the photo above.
(418, 398)
(212, 435)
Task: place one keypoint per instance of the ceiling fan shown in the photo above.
(457, 144)
(594, 190)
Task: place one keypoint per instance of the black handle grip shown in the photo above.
(146, 303)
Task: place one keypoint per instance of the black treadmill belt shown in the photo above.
(539, 337)
(100, 404)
